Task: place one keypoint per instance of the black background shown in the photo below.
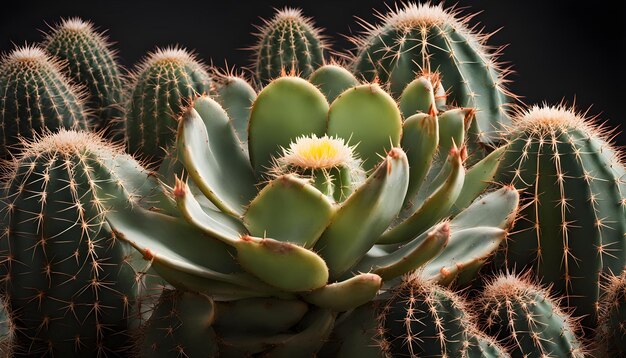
(560, 50)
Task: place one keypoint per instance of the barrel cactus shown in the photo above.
(571, 230)
(36, 98)
(610, 339)
(289, 42)
(528, 319)
(425, 38)
(165, 82)
(92, 63)
(70, 283)
(424, 320)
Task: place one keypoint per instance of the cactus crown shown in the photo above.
(74, 28)
(311, 152)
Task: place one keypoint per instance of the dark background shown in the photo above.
(560, 50)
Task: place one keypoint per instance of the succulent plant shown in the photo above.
(528, 319)
(289, 42)
(332, 80)
(7, 329)
(421, 39)
(610, 338)
(71, 284)
(92, 63)
(36, 98)
(274, 224)
(425, 320)
(166, 81)
(179, 326)
(571, 230)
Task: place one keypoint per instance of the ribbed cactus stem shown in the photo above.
(425, 320)
(162, 85)
(288, 42)
(528, 319)
(92, 63)
(68, 279)
(35, 98)
(573, 223)
(423, 38)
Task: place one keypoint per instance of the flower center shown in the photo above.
(317, 153)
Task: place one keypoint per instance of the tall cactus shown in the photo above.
(528, 319)
(572, 227)
(426, 38)
(165, 82)
(68, 279)
(35, 97)
(424, 320)
(288, 42)
(92, 63)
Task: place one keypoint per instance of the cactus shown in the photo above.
(35, 98)
(424, 320)
(573, 224)
(92, 63)
(180, 326)
(528, 319)
(7, 329)
(610, 339)
(164, 83)
(286, 236)
(287, 42)
(425, 38)
(68, 279)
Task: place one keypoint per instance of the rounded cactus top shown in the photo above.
(69, 142)
(75, 28)
(29, 57)
(170, 54)
(287, 17)
(545, 118)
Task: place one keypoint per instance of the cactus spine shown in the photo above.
(92, 63)
(572, 227)
(35, 98)
(528, 319)
(166, 81)
(288, 42)
(68, 279)
(424, 38)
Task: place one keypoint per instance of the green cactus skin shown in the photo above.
(422, 319)
(92, 63)
(180, 326)
(164, 83)
(564, 162)
(7, 329)
(36, 98)
(69, 280)
(610, 337)
(426, 38)
(236, 96)
(290, 43)
(528, 319)
(333, 79)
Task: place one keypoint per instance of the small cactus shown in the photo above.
(68, 279)
(422, 319)
(610, 337)
(164, 83)
(35, 98)
(422, 39)
(571, 228)
(528, 319)
(92, 63)
(289, 42)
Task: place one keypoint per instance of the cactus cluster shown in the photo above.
(329, 209)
